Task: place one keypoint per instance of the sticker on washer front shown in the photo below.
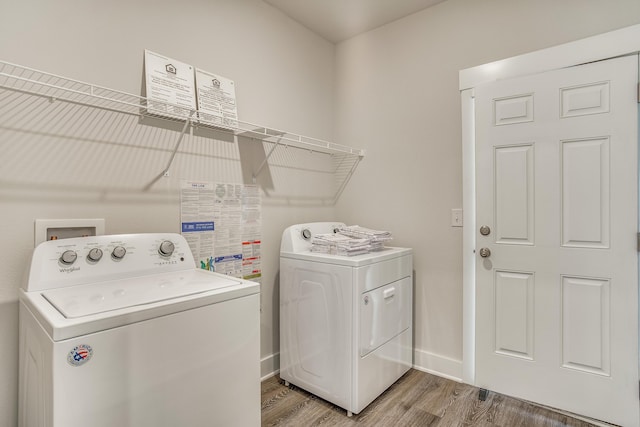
(80, 355)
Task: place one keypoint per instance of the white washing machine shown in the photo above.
(123, 330)
(345, 322)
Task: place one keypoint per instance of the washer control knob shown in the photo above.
(68, 257)
(118, 252)
(306, 234)
(95, 254)
(166, 248)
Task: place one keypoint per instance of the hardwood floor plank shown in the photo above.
(282, 406)
(416, 399)
(514, 412)
(413, 417)
(462, 407)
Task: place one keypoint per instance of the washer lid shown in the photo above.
(86, 300)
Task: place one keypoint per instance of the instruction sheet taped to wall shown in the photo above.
(222, 224)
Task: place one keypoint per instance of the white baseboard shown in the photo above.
(423, 361)
(269, 366)
(436, 364)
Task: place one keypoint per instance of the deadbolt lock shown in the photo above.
(485, 230)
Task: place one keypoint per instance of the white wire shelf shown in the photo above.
(30, 85)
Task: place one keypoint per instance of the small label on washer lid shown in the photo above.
(80, 355)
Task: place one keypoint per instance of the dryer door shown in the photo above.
(384, 313)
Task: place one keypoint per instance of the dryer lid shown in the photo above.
(86, 300)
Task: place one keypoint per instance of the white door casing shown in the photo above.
(556, 182)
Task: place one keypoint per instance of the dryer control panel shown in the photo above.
(76, 261)
(297, 238)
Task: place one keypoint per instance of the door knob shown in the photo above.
(485, 252)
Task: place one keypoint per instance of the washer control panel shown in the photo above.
(82, 260)
(166, 248)
(68, 257)
(94, 255)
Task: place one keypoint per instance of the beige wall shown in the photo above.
(397, 97)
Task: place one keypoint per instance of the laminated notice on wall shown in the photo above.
(228, 236)
(197, 220)
(251, 232)
(170, 83)
(234, 231)
(216, 100)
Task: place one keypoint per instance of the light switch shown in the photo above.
(456, 217)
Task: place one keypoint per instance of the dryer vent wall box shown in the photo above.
(56, 229)
(345, 322)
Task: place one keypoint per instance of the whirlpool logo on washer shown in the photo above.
(80, 355)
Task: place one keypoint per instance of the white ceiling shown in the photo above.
(337, 20)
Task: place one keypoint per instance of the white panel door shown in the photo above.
(556, 298)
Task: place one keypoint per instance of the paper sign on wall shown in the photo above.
(197, 220)
(171, 83)
(251, 233)
(222, 223)
(216, 100)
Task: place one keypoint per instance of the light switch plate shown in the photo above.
(456, 217)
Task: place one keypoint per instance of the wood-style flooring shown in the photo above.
(416, 399)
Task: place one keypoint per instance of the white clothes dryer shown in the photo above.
(123, 330)
(346, 330)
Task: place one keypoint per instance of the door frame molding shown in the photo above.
(616, 43)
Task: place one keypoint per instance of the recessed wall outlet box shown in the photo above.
(456, 217)
(54, 229)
